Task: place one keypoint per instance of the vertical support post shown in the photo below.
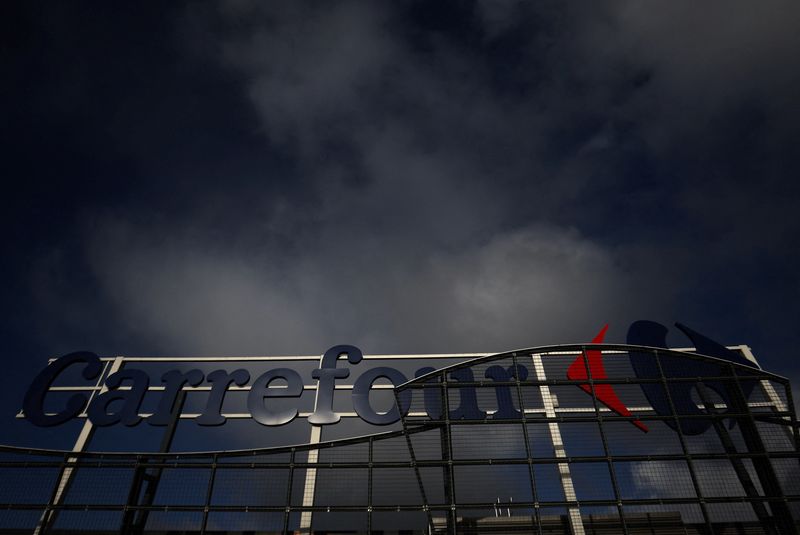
(412, 456)
(778, 404)
(611, 468)
(738, 464)
(209, 493)
(309, 488)
(310, 481)
(763, 466)
(537, 522)
(288, 501)
(575, 522)
(65, 479)
(49, 515)
(135, 520)
(369, 486)
(447, 457)
(684, 448)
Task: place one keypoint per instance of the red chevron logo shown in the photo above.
(604, 393)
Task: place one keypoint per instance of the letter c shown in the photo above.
(34, 398)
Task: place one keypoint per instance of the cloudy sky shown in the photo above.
(246, 177)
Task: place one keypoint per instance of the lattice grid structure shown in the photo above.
(507, 444)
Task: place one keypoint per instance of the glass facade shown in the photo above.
(564, 439)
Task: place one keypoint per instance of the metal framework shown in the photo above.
(554, 460)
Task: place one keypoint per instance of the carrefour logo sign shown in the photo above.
(123, 392)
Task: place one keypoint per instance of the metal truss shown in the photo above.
(542, 454)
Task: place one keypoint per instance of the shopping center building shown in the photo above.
(579, 439)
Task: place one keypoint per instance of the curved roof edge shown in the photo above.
(228, 453)
(578, 348)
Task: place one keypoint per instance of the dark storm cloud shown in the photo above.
(409, 234)
(434, 177)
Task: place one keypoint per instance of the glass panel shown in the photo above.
(488, 441)
(427, 445)
(182, 486)
(654, 479)
(663, 518)
(302, 482)
(776, 437)
(338, 521)
(571, 401)
(624, 438)
(592, 481)
(718, 478)
(99, 486)
(174, 521)
(405, 522)
(345, 454)
(255, 486)
(599, 520)
(433, 481)
(487, 484)
(391, 450)
(541, 442)
(97, 521)
(531, 399)
(581, 439)
(731, 512)
(788, 473)
(395, 486)
(548, 483)
(38, 487)
(20, 519)
(236, 522)
(343, 486)
(554, 519)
